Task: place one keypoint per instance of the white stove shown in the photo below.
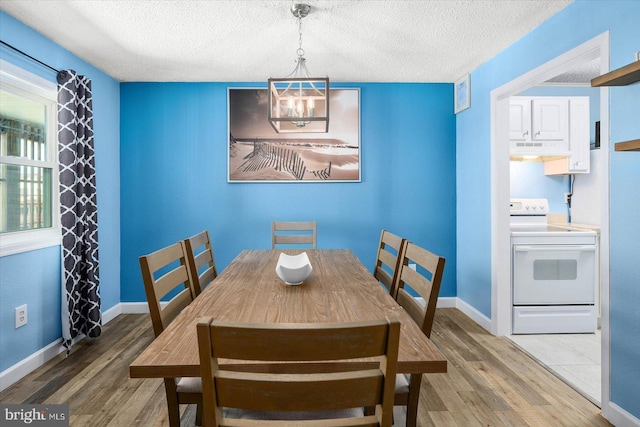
(553, 273)
(529, 219)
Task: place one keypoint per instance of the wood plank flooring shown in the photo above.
(490, 382)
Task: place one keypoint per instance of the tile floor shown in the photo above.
(575, 358)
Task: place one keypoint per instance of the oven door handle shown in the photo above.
(540, 248)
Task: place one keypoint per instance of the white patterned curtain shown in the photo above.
(78, 208)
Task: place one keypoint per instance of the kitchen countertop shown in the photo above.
(561, 220)
(595, 228)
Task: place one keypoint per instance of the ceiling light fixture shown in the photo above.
(299, 103)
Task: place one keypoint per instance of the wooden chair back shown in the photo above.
(293, 233)
(202, 264)
(311, 386)
(427, 287)
(163, 271)
(388, 260)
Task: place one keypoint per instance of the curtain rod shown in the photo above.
(29, 56)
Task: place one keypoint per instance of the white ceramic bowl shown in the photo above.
(293, 269)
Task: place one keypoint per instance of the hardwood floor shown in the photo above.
(490, 382)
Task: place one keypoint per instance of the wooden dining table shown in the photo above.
(339, 289)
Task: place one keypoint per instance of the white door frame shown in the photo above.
(500, 190)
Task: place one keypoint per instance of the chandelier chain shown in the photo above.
(300, 50)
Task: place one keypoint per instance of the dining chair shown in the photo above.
(425, 281)
(388, 260)
(200, 260)
(293, 233)
(164, 271)
(310, 383)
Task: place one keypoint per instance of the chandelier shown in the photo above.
(299, 103)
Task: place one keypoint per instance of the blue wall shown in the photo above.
(577, 23)
(33, 278)
(174, 141)
(528, 181)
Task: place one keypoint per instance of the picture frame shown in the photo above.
(462, 94)
(258, 154)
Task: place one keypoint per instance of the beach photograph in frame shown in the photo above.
(257, 153)
(462, 94)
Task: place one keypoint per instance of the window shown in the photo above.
(28, 162)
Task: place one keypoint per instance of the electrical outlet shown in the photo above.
(21, 316)
(567, 197)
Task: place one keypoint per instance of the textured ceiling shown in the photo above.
(580, 75)
(192, 40)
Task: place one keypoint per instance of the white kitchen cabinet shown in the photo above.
(539, 126)
(520, 119)
(550, 119)
(579, 160)
(552, 129)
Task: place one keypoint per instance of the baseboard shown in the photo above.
(447, 302)
(111, 314)
(15, 373)
(134, 307)
(443, 302)
(618, 416)
(474, 314)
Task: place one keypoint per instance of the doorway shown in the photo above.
(596, 48)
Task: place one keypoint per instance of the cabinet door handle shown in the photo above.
(526, 133)
(537, 133)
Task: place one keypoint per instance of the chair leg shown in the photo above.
(172, 402)
(414, 396)
(199, 414)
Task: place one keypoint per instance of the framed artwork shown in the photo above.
(462, 94)
(256, 153)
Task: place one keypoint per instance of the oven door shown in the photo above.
(553, 274)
